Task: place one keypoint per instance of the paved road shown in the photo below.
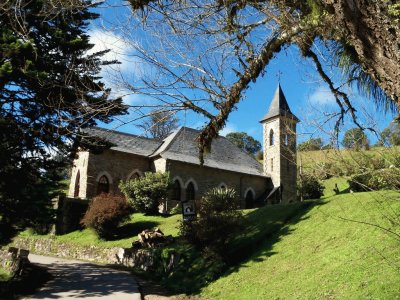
(76, 279)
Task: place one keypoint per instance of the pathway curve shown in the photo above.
(74, 279)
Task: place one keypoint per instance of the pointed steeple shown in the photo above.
(279, 107)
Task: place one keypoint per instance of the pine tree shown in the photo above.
(49, 89)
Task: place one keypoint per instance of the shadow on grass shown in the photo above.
(262, 228)
(131, 230)
(33, 278)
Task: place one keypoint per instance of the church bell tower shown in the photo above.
(279, 139)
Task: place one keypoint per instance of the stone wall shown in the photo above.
(205, 178)
(116, 166)
(79, 165)
(280, 158)
(70, 212)
(48, 246)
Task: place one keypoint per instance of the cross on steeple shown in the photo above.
(278, 75)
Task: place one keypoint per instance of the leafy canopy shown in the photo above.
(146, 193)
(49, 89)
(244, 142)
(217, 49)
(355, 138)
(311, 145)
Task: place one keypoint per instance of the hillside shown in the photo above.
(328, 254)
(308, 159)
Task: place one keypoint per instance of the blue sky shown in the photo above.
(305, 92)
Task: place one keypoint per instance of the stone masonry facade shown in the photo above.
(226, 165)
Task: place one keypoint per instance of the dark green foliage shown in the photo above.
(105, 213)
(49, 90)
(309, 187)
(146, 193)
(244, 142)
(384, 139)
(311, 145)
(391, 136)
(355, 138)
(217, 223)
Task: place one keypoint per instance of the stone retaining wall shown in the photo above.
(67, 250)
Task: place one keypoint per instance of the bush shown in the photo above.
(146, 193)
(309, 187)
(177, 209)
(218, 221)
(105, 213)
(360, 182)
(376, 180)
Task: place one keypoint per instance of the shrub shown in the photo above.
(360, 182)
(309, 187)
(146, 193)
(177, 209)
(376, 180)
(218, 221)
(105, 213)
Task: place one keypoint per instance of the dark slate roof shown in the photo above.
(125, 142)
(279, 107)
(182, 146)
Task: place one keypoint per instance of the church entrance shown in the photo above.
(249, 199)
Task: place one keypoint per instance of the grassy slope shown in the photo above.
(309, 158)
(127, 233)
(323, 256)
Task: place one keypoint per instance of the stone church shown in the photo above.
(226, 166)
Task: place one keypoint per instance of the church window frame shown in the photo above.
(249, 201)
(271, 137)
(135, 174)
(222, 185)
(77, 184)
(191, 189)
(177, 190)
(109, 179)
(103, 185)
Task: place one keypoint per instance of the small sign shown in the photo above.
(188, 211)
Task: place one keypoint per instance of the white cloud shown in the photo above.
(117, 76)
(322, 96)
(228, 129)
(119, 49)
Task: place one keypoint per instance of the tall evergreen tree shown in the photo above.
(49, 90)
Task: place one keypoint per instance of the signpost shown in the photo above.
(188, 211)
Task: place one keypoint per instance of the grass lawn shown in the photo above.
(329, 253)
(126, 233)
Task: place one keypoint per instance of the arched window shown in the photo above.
(222, 186)
(190, 193)
(77, 184)
(134, 176)
(271, 137)
(103, 185)
(176, 191)
(249, 199)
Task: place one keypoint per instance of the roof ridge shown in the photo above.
(166, 143)
(123, 133)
